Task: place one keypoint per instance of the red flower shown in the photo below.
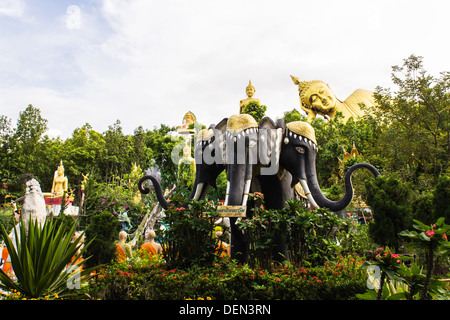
(258, 195)
(278, 280)
(444, 236)
(430, 233)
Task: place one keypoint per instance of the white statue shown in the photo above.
(33, 204)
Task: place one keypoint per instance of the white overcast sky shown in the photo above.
(148, 62)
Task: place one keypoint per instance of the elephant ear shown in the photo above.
(273, 134)
(222, 127)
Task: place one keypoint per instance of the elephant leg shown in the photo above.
(277, 189)
(239, 245)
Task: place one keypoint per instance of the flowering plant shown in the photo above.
(436, 232)
(432, 238)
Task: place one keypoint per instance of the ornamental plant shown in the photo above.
(43, 259)
(388, 264)
(433, 238)
(189, 238)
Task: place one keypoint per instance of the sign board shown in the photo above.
(232, 211)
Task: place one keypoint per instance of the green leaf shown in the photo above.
(424, 237)
(420, 226)
(440, 221)
(410, 234)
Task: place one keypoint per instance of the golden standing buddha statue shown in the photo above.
(250, 90)
(316, 97)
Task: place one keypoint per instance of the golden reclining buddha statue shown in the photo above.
(316, 97)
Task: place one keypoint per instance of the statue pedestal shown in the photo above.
(53, 206)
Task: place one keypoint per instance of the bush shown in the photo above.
(43, 259)
(189, 238)
(153, 280)
(309, 235)
(389, 199)
(103, 230)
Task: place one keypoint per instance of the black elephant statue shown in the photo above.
(272, 158)
(267, 157)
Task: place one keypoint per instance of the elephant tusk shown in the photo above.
(198, 191)
(308, 193)
(227, 193)
(246, 190)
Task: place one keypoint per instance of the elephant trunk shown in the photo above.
(239, 177)
(196, 194)
(319, 200)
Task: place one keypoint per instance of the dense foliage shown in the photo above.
(150, 279)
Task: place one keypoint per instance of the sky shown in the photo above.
(147, 62)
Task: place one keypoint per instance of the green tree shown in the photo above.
(140, 153)
(160, 144)
(293, 115)
(389, 199)
(434, 204)
(26, 141)
(83, 154)
(255, 109)
(441, 199)
(414, 122)
(116, 160)
(5, 148)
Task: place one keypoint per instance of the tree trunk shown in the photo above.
(380, 289)
(429, 261)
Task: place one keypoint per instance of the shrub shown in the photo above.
(189, 238)
(102, 231)
(152, 279)
(42, 258)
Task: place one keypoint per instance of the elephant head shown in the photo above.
(240, 157)
(208, 154)
(298, 156)
(290, 146)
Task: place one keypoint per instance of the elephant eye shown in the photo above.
(300, 150)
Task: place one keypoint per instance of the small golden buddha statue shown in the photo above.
(85, 179)
(188, 119)
(187, 158)
(60, 183)
(186, 167)
(347, 156)
(316, 97)
(250, 90)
